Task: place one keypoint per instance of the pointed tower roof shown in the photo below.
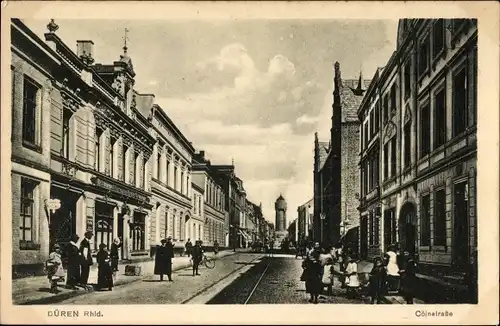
(125, 58)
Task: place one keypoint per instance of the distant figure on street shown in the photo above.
(327, 278)
(408, 277)
(188, 247)
(197, 257)
(86, 257)
(104, 271)
(313, 273)
(377, 281)
(351, 273)
(74, 260)
(391, 263)
(161, 259)
(54, 268)
(114, 254)
(216, 247)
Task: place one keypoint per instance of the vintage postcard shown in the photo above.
(269, 163)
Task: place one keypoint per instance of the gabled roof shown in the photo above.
(349, 100)
(324, 149)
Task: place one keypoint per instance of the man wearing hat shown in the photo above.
(197, 257)
(169, 249)
(86, 257)
(161, 259)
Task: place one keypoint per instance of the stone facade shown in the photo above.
(304, 220)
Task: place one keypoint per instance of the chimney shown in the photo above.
(85, 51)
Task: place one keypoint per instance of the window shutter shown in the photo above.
(55, 123)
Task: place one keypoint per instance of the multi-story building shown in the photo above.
(428, 150)
(93, 152)
(197, 229)
(336, 177)
(171, 179)
(251, 222)
(304, 220)
(213, 201)
(293, 231)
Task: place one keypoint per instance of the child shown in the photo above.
(351, 273)
(104, 272)
(377, 280)
(54, 269)
(327, 278)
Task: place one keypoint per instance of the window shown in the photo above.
(440, 218)
(389, 227)
(28, 188)
(365, 178)
(425, 225)
(97, 148)
(460, 100)
(407, 78)
(393, 98)
(134, 168)
(456, 25)
(182, 182)
(407, 148)
(375, 171)
(425, 130)
(124, 161)
(137, 232)
(112, 156)
(30, 107)
(439, 118)
(165, 226)
(144, 173)
(372, 126)
(168, 171)
(377, 117)
(393, 156)
(65, 133)
(365, 132)
(104, 226)
(386, 160)
(423, 56)
(376, 228)
(175, 178)
(158, 164)
(438, 38)
(386, 107)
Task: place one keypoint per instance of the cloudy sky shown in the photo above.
(254, 91)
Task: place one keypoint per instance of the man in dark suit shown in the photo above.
(161, 259)
(197, 257)
(169, 254)
(85, 252)
(74, 261)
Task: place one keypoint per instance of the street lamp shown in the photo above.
(322, 216)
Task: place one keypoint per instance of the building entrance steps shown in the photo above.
(35, 290)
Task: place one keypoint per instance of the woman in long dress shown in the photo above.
(54, 269)
(313, 273)
(104, 272)
(391, 260)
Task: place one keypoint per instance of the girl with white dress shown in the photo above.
(352, 279)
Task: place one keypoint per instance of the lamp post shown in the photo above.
(322, 216)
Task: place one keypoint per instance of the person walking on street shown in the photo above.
(161, 259)
(216, 247)
(104, 271)
(74, 260)
(408, 277)
(197, 257)
(313, 272)
(188, 247)
(86, 258)
(54, 269)
(377, 281)
(114, 254)
(391, 262)
(169, 254)
(327, 278)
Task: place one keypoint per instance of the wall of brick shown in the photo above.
(350, 173)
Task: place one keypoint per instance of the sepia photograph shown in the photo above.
(245, 161)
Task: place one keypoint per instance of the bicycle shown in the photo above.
(209, 262)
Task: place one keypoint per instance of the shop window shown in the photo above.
(425, 130)
(438, 38)
(97, 147)
(423, 56)
(460, 102)
(65, 133)
(407, 144)
(439, 118)
(425, 217)
(440, 218)
(31, 111)
(137, 230)
(28, 189)
(407, 78)
(393, 156)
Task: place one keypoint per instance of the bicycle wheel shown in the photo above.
(209, 262)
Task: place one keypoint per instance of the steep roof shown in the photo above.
(324, 148)
(350, 100)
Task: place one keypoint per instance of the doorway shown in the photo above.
(408, 228)
(120, 234)
(63, 221)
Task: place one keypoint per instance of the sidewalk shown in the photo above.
(35, 290)
(389, 299)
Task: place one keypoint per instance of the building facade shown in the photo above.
(428, 150)
(305, 214)
(336, 177)
(199, 227)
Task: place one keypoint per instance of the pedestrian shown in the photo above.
(86, 258)
(325, 256)
(313, 273)
(74, 260)
(327, 277)
(391, 262)
(377, 281)
(352, 279)
(216, 247)
(104, 271)
(188, 247)
(114, 254)
(54, 268)
(161, 259)
(169, 254)
(197, 257)
(408, 277)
